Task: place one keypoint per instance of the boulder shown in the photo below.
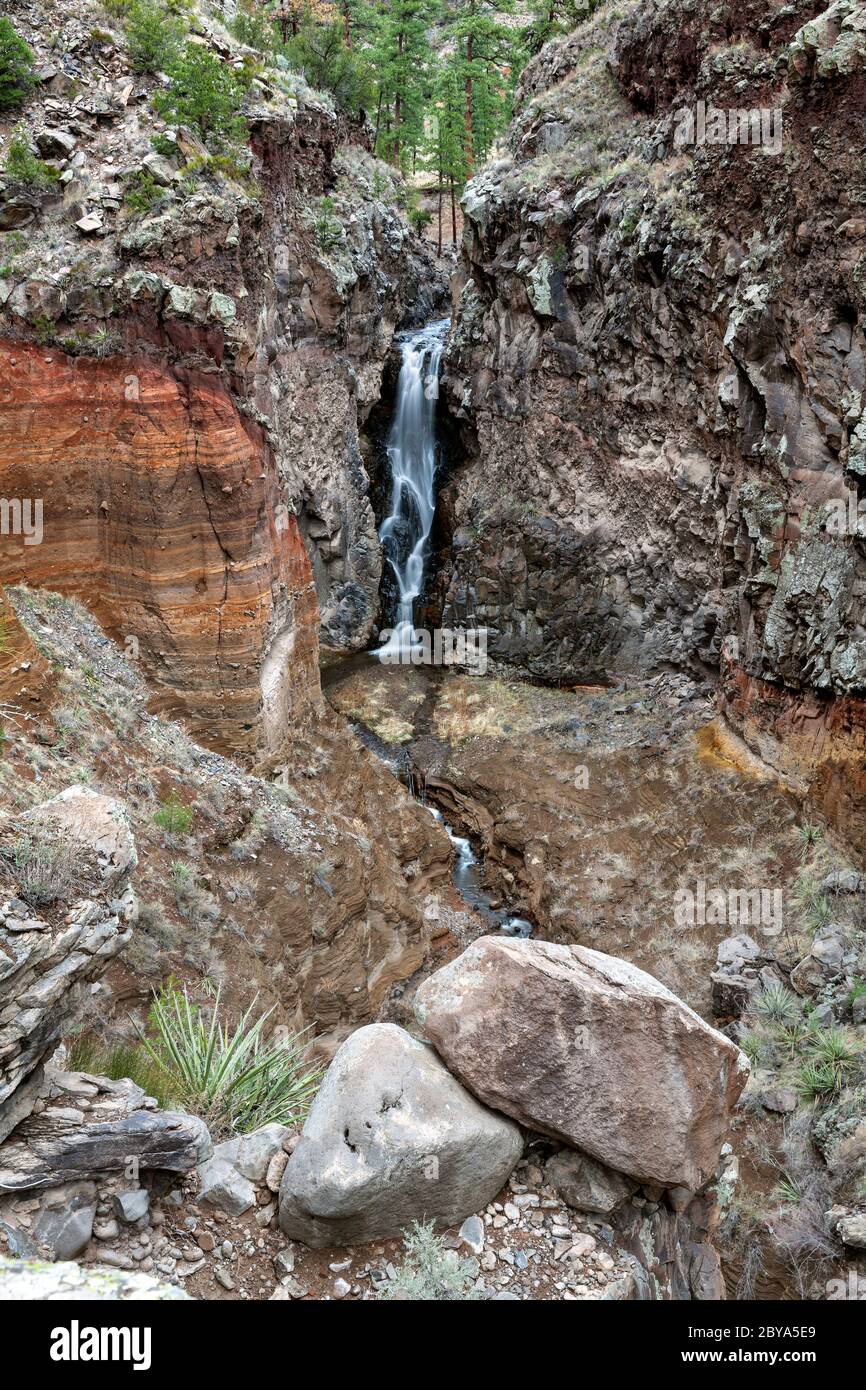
(251, 1154)
(65, 1221)
(391, 1138)
(586, 1185)
(224, 1188)
(851, 1230)
(589, 1049)
(132, 1205)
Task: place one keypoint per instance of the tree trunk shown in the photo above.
(470, 160)
(439, 240)
(347, 33)
(453, 214)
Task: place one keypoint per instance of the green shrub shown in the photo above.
(320, 52)
(16, 67)
(233, 1079)
(23, 166)
(430, 1272)
(328, 229)
(173, 816)
(142, 192)
(815, 1080)
(153, 37)
(779, 1005)
(45, 865)
(205, 95)
(255, 30)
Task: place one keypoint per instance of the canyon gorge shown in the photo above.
(567, 930)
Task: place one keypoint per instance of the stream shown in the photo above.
(413, 456)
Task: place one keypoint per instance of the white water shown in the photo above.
(411, 447)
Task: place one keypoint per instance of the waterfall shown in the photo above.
(411, 448)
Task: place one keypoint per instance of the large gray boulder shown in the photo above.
(589, 1049)
(391, 1138)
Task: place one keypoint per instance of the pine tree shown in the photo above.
(402, 57)
(487, 48)
(448, 154)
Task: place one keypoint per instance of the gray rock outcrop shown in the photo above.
(392, 1138)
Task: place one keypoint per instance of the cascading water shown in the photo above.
(412, 455)
(405, 536)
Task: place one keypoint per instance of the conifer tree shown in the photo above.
(402, 57)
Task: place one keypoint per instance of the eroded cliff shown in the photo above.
(659, 358)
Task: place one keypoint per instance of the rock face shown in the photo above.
(392, 1138)
(658, 351)
(46, 959)
(61, 1143)
(163, 512)
(191, 415)
(589, 1049)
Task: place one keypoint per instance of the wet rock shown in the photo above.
(589, 1049)
(391, 1138)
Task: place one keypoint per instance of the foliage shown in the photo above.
(232, 1078)
(23, 166)
(16, 67)
(153, 36)
(328, 229)
(251, 27)
(142, 192)
(320, 52)
(87, 1053)
(173, 816)
(205, 95)
(45, 865)
(430, 1272)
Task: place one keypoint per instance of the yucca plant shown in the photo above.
(233, 1079)
(790, 1038)
(779, 1005)
(835, 1048)
(809, 836)
(815, 1079)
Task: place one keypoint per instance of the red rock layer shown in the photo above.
(162, 512)
(819, 741)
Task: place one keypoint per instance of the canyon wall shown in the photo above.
(658, 359)
(183, 384)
